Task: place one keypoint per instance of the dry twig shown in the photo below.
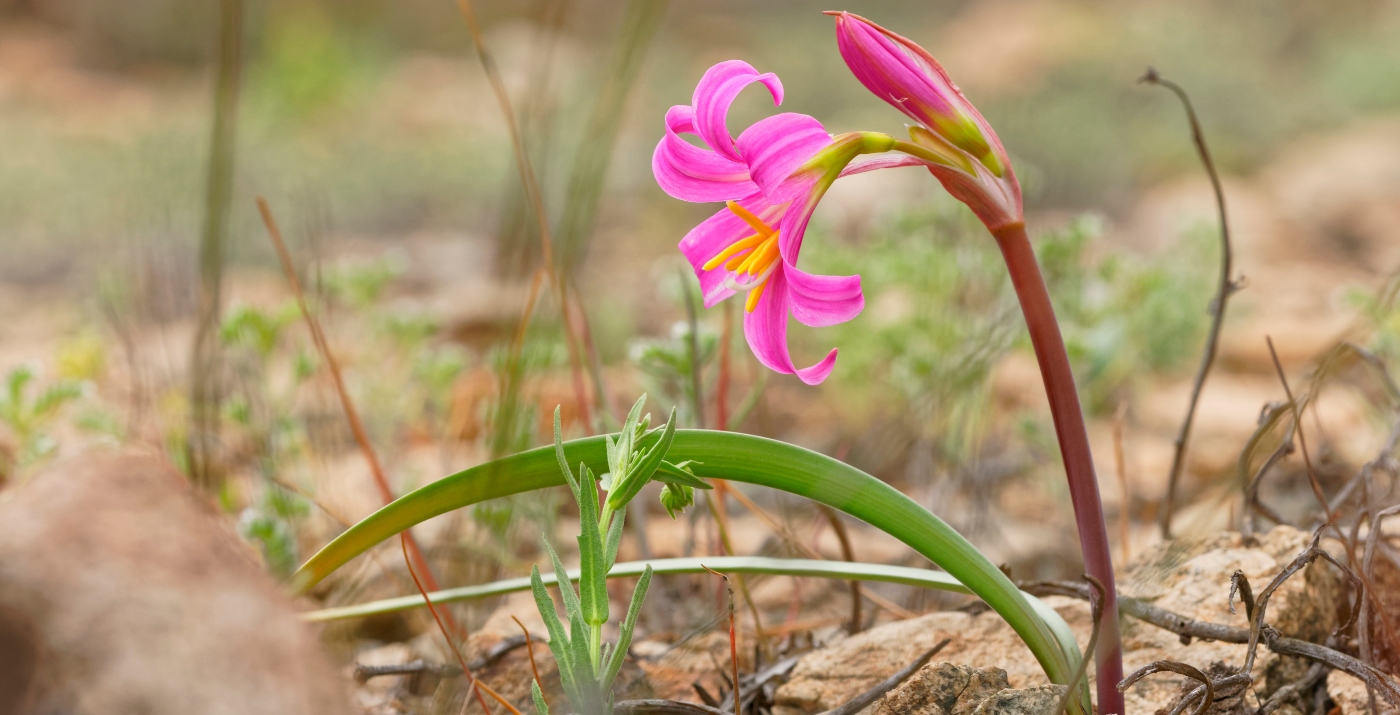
(1227, 286)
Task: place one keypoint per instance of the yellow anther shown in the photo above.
(757, 223)
(758, 261)
(733, 248)
(736, 261)
(752, 301)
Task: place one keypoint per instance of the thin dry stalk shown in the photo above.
(532, 192)
(1330, 520)
(1226, 287)
(318, 337)
(530, 648)
(476, 685)
(204, 358)
(848, 554)
(722, 526)
(1120, 419)
(722, 383)
(733, 638)
(1095, 618)
(1181, 669)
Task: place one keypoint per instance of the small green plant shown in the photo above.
(587, 666)
(29, 418)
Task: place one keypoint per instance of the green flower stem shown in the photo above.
(738, 457)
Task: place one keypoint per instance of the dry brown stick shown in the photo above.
(1226, 287)
(532, 192)
(663, 707)
(1313, 481)
(848, 554)
(733, 637)
(530, 648)
(1287, 692)
(1193, 628)
(1181, 669)
(811, 553)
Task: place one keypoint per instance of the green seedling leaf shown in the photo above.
(558, 641)
(541, 707)
(676, 498)
(624, 639)
(740, 458)
(679, 474)
(584, 669)
(614, 539)
(593, 587)
(559, 455)
(566, 589)
(640, 473)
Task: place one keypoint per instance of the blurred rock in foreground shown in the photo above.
(121, 591)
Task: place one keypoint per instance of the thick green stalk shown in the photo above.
(736, 457)
(1074, 449)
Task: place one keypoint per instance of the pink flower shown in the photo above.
(771, 179)
(964, 153)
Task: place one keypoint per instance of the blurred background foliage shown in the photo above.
(372, 129)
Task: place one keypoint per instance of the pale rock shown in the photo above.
(943, 689)
(1189, 577)
(132, 594)
(1349, 694)
(1040, 700)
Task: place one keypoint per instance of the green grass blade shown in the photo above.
(736, 457)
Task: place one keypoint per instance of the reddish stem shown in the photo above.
(1074, 448)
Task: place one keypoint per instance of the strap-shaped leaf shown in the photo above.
(741, 458)
(624, 639)
(566, 588)
(593, 587)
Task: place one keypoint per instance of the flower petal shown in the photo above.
(819, 301)
(690, 173)
(766, 331)
(716, 91)
(776, 147)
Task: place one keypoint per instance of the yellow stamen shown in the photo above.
(752, 301)
(735, 261)
(761, 257)
(734, 248)
(757, 223)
